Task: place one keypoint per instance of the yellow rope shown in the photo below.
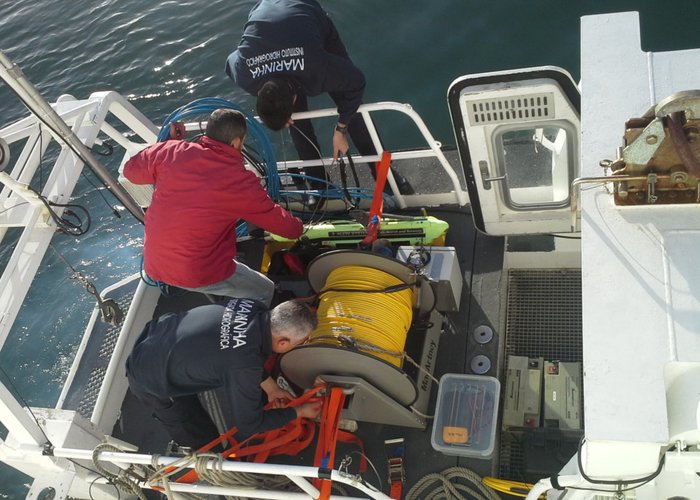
(514, 488)
(354, 304)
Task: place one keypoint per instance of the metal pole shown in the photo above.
(12, 75)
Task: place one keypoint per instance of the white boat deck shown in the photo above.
(641, 305)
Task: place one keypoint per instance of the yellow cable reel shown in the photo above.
(368, 308)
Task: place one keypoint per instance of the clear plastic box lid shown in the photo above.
(466, 415)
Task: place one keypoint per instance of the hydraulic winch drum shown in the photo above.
(352, 317)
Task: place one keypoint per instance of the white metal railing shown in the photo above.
(86, 119)
(431, 149)
(298, 474)
(21, 207)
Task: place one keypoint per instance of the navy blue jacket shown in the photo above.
(220, 345)
(296, 38)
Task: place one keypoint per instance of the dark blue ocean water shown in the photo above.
(165, 54)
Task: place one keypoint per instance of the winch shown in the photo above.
(369, 304)
(659, 162)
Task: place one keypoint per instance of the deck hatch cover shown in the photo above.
(518, 135)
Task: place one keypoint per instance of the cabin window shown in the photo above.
(537, 163)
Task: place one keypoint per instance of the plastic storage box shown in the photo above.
(466, 414)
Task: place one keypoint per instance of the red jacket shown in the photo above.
(201, 190)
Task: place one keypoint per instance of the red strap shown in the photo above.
(327, 437)
(395, 490)
(375, 212)
(294, 437)
(289, 440)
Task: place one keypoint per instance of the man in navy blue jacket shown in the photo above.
(290, 50)
(215, 346)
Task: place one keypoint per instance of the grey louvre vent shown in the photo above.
(511, 109)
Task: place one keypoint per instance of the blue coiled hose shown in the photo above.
(256, 132)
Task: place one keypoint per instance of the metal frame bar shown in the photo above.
(296, 473)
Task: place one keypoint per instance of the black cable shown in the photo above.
(616, 482)
(389, 289)
(565, 237)
(24, 402)
(66, 143)
(109, 149)
(63, 224)
(254, 162)
(104, 198)
(13, 206)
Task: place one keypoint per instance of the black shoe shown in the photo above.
(405, 186)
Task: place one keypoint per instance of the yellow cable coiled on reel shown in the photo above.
(369, 308)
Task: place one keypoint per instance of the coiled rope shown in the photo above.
(219, 477)
(455, 483)
(367, 308)
(123, 480)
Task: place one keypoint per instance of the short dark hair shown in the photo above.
(225, 125)
(293, 318)
(275, 103)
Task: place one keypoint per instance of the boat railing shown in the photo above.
(297, 474)
(450, 191)
(27, 227)
(96, 387)
(431, 148)
(22, 206)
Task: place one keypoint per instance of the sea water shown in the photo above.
(162, 55)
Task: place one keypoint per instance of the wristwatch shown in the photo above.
(343, 129)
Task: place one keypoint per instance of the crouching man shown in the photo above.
(215, 346)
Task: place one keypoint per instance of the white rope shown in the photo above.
(446, 485)
(218, 477)
(122, 480)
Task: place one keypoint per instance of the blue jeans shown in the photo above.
(245, 283)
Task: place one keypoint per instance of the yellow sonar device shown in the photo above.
(426, 230)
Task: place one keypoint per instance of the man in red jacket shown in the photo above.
(200, 190)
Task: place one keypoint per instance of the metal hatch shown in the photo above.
(518, 136)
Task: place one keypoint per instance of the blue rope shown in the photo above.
(256, 132)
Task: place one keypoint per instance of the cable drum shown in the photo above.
(367, 308)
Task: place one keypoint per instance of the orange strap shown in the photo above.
(375, 211)
(396, 490)
(287, 440)
(293, 438)
(327, 438)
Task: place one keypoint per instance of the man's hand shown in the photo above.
(309, 410)
(340, 144)
(275, 394)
